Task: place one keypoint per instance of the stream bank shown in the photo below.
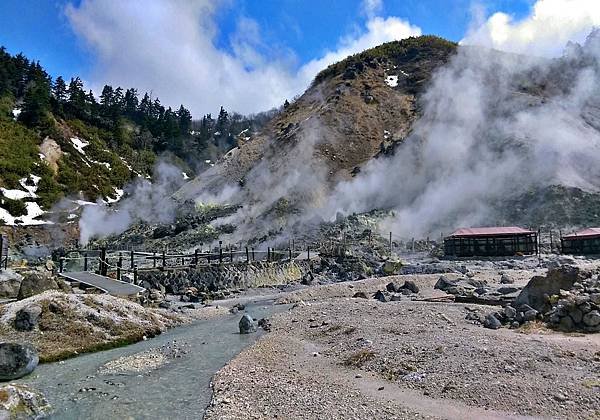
(164, 377)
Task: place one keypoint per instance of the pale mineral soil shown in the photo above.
(72, 324)
(334, 356)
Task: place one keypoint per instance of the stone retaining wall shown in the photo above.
(226, 276)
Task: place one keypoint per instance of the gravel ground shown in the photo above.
(334, 356)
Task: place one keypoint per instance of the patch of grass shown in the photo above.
(413, 49)
(591, 383)
(359, 358)
(533, 327)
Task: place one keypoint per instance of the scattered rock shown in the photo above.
(539, 288)
(391, 287)
(491, 322)
(592, 318)
(444, 283)
(530, 315)
(411, 286)
(510, 312)
(380, 296)
(265, 324)
(247, 325)
(506, 279)
(22, 402)
(361, 295)
(10, 282)
(16, 360)
(27, 318)
(505, 290)
(35, 282)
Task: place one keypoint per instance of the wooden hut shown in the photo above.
(586, 241)
(491, 242)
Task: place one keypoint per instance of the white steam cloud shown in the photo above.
(551, 24)
(167, 47)
(493, 127)
(145, 201)
(489, 132)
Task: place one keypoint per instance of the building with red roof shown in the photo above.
(491, 242)
(586, 241)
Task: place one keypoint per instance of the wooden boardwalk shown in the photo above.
(106, 284)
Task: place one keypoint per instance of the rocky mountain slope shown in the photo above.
(354, 110)
(439, 136)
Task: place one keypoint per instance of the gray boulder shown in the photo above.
(17, 360)
(506, 290)
(392, 287)
(36, 282)
(410, 285)
(530, 315)
(539, 288)
(491, 322)
(444, 283)
(510, 312)
(592, 318)
(576, 314)
(27, 318)
(380, 296)
(10, 282)
(506, 279)
(247, 325)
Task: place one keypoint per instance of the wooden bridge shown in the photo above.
(106, 270)
(106, 284)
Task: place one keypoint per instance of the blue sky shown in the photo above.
(40, 29)
(274, 46)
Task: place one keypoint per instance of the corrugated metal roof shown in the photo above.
(585, 233)
(490, 231)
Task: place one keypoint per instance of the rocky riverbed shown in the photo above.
(335, 355)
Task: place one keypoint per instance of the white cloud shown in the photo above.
(550, 25)
(372, 7)
(167, 47)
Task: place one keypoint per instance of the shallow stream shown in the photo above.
(178, 390)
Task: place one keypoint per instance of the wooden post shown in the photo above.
(103, 263)
(61, 264)
(220, 252)
(551, 241)
(154, 259)
(390, 244)
(308, 253)
(1, 250)
(164, 259)
(290, 249)
(119, 266)
(131, 258)
(135, 274)
(230, 254)
(196, 257)
(247, 255)
(85, 261)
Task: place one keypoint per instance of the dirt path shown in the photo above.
(340, 357)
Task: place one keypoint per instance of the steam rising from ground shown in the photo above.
(145, 201)
(484, 138)
(493, 126)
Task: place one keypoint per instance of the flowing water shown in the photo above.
(177, 390)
